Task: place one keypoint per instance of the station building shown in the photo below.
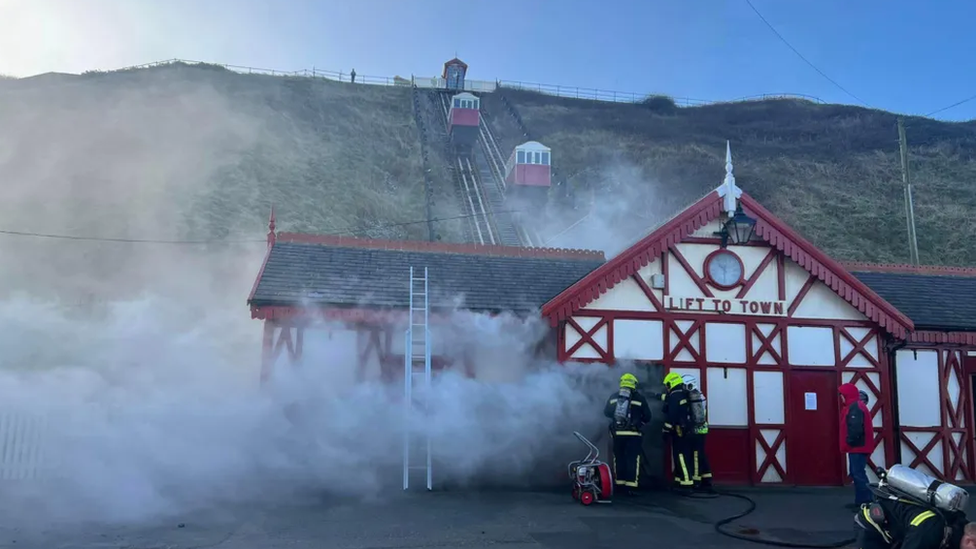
(724, 290)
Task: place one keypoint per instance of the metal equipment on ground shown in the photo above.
(592, 479)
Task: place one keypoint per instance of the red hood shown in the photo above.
(849, 392)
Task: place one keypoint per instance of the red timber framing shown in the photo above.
(946, 450)
(752, 449)
(378, 332)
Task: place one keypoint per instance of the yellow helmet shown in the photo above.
(672, 380)
(628, 381)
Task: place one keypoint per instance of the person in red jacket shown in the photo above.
(856, 439)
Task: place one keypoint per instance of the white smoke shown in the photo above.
(622, 204)
(143, 415)
(147, 404)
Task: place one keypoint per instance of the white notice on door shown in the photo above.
(809, 401)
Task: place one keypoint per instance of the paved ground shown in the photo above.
(471, 520)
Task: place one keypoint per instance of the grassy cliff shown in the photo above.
(831, 171)
(182, 152)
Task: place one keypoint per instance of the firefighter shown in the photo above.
(676, 426)
(701, 470)
(628, 412)
(888, 523)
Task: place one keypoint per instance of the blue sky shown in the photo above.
(909, 57)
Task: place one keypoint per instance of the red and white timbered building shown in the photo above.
(934, 367)
(341, 301)
(724, 290)
(769, 324)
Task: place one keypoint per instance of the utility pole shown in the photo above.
(909, 206)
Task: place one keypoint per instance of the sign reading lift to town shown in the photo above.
(728, 306)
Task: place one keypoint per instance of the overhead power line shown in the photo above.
(346, 231)
(801, 56)
(952, 106)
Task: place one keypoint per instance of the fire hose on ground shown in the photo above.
(720, 526)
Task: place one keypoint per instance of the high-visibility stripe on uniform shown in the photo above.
(922, 517)
(632, 402)
(627, 433)
(867, 516)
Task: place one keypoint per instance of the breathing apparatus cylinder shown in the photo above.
(925, 489)
(621, 415)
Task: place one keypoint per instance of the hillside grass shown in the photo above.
(332, 157)
(181, 152)
(831, 171)
(197, 152)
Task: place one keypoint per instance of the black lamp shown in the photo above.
(738, 229)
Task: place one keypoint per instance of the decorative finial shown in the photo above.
(271, 227)
(729, 190)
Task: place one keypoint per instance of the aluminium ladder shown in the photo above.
(416, 354)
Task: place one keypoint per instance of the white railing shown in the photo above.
(576, 92)
(22, 439)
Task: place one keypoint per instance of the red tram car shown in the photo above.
(528, 173)
(463, 120)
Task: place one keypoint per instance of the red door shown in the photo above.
(812, 443)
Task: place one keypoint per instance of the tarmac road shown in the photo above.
(466, 519)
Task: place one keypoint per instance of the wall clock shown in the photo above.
(724, 269)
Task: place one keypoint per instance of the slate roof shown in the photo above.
(933, 302)
(364, 277)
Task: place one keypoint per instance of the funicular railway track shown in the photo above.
(470, 192)
(489, 146)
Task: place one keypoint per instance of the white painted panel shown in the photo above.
(725, 343)
(680, 282)
(823, 303)
(771, 474)
(810, 345)
(586, 322)
(624, 296)
(600, 337)
(862, 359)
(796, 277)
(689, 371)
(917, 379)
(769, 403)
(767, 358)
(585, 351)
(685, 327)
(953, 386)
(766, 287)
(638, 339)
(920, 440)
(694, 341)
(727, 404)
(695, 255)
(573, 336)
(957, 438)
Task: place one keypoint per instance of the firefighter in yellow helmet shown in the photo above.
(628, 412)
(676, 425)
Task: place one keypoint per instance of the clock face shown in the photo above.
(725, 269)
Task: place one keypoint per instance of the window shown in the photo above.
(474, 104)
(457, 103)
(521, 157)
(538, 159)
(545, 158)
